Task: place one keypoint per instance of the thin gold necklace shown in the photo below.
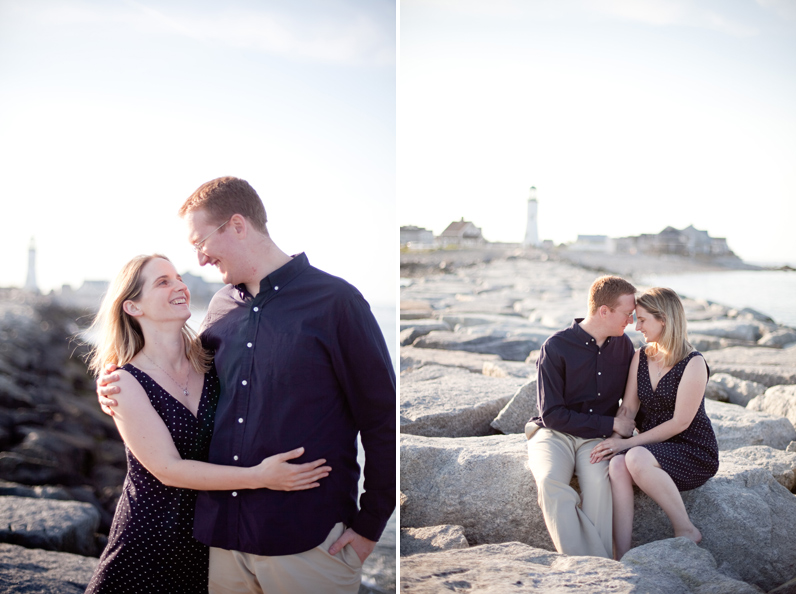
(185, 389)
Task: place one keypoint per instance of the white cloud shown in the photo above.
(345, 36)
(357, 39)
(784, 8)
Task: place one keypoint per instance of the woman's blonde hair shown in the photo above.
(666, 307)
(118, 334)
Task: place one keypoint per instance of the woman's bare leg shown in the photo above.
(622, 491)
(655, 482)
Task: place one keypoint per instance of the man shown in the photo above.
(302, 362)
(581, 375)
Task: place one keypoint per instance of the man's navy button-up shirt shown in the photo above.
(579, 384)
(301, 364)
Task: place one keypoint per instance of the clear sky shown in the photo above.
(113, 112)
(627, 115)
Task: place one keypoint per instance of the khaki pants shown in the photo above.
(578, 525)
(310, 572)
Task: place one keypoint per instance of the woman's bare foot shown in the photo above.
(691, 533)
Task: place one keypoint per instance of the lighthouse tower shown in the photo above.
(30, 282)
(532, 228)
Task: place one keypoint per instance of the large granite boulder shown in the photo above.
(519, 410)
(480, 483)
(510, 348)
(446, 402)
(767, 366)
(483, 484)
(431, 539)
(726, 388)
(737, 329)
(780, 463)
(675, 566)
(777, 400)
(66, 526)
(744, 515)
(36, 571)
(736, 426)
(781, 337)
(411, 330)
(413, 358)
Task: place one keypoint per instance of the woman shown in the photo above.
(675, 449)
(165, 412)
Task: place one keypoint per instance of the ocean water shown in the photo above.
(771, 292)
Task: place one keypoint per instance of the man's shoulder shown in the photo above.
(561, 337)
(333, 287)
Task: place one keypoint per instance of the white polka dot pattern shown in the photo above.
(691, 457)
(151, 548)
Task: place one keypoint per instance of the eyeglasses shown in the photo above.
(197, 247)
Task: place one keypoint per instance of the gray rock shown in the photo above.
(778, 338)
(726, 388)
(741, 520)
(508, 369)
(35, 571)
(412, 358)
(747, 313)
(379, 569)
(777, 400)
(675, 566)
(445, 402)
(510, 349)
(736, 427)
(781, 464)
(702, 342)
(519, 410)
(66, 526)
(411, 330)
(480, 483)
(788, 587)
(431, 539)
(736, 329)
(767, 366)
(483, 485)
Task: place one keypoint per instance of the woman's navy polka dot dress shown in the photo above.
(151, 548)
(691, 457)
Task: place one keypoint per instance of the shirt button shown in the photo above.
(590, 410)
(276, 288)
(240, 420)
(598, 373)
(256, 309)
(244, 382)
(598, 393)
(234, 457)
(248, 344)
(234, 493)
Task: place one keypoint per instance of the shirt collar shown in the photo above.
(583, 335)
(282, 275)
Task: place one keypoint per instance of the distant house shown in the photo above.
(417, 236)
(594, 243)
(88, 296)
(686, 242)
(461, 233)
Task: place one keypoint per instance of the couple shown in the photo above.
(242, 443)
(583, 372)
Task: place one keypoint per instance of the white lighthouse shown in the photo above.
(532, 228)
(30, 282)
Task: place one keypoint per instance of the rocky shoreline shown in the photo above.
(470, 333)
(62, 462)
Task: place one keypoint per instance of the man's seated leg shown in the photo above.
(551, 457)
(595, 490)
